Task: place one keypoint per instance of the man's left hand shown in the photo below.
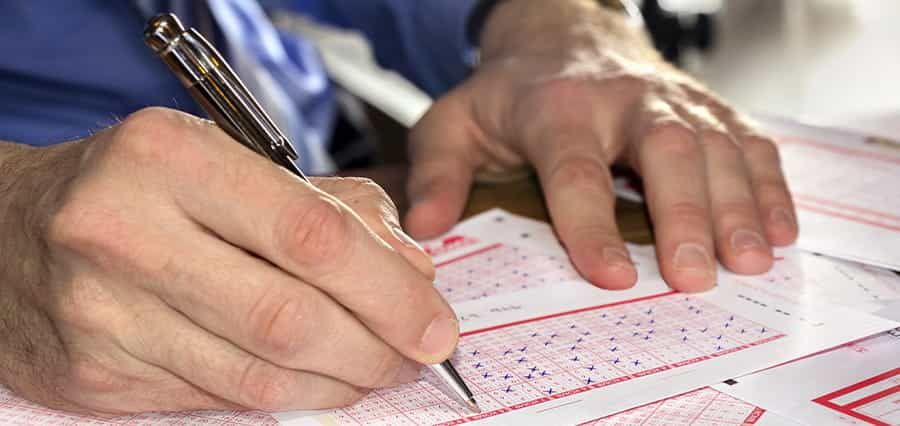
(570, 89)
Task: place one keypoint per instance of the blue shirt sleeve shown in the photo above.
(69, 68)
(425, 40)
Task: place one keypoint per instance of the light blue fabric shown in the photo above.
(286, 76)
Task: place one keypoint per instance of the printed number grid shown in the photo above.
(701, 407)
(529, 362)
(17, 411)
(499, 269)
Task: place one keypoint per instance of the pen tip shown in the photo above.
(474, 406)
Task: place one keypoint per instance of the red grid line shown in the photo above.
(827, 400)
(817, 209)
(561, 314)
(840, 149)
(827, 202)
(470, 254)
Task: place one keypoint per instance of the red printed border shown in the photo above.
(751, 418)
(849, 409)
(470, 254)
(826, 212)
(566, 313)
(839, 149)
(805, 204)
(839, 205)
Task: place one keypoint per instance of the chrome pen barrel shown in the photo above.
(218, 90)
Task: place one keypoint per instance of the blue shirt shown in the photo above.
(70, 67)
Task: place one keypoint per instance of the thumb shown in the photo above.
(442, 152)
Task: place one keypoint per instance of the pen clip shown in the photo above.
(218, 89)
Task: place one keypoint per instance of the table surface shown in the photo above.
(522, 197)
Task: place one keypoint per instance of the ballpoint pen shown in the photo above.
(216, 87)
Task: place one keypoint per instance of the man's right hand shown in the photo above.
(159, 265)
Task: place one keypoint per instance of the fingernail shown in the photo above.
(617, 258)
(782, 217)
(691, 257)
(745, 239)
(408, 372)
(404, 238)
(439, 336)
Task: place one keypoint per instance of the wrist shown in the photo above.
(14, 161)
(539, 27)
(20, 268)
(28, 178)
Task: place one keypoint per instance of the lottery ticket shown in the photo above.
(542, 346)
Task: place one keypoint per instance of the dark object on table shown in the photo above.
(673, 33)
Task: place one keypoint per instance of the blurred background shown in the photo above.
(832, 62)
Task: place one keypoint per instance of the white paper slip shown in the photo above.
(891, 311)
(498, 252)
(846, 188)
(531, 362)
(564, 352)
(705, 407)
(17, 411)
(525, 253)
(857, 384)
(808, 278)
(804, 277)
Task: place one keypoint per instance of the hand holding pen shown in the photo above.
(211, 81)
(180, 271)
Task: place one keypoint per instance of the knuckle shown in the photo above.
(672, 138)
(365, 190)
(376, 192)
(630, 84)
(688, 214)
(262, 388)
(762, 146)
(736, 213)
(161, 139)
(633, 83)
(719, 140)
(591, 235)
(414, 303)
(149, 134)
(318, 231)
(367, 186)
(772, 189)
(281, 325)
(579, 172)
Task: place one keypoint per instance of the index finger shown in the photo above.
(244, 200)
